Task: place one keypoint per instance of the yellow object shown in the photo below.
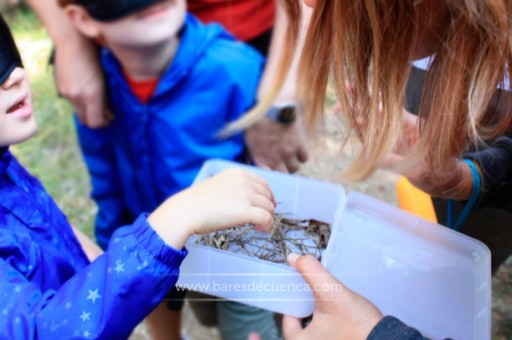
(414, 200)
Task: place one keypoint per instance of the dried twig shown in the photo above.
(287, 235)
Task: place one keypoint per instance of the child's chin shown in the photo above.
(30, 132)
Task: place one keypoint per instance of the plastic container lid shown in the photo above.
(432, 278)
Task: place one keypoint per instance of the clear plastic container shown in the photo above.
(432, 278)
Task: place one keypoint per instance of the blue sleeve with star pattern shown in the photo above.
(104, 300)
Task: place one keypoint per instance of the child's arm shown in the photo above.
(91, 249)
(229, 199)
(108, 298)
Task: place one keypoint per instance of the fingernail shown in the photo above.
(292, 257)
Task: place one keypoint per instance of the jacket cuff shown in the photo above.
(495, 167)
(154, 244)
(393, 329)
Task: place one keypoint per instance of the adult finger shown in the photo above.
(292, 164)
(303, 154)
(79, 111)
(277, 165)
(291, 327)
(326, 288)
(281, 167)
(100, 119)
(95, 114)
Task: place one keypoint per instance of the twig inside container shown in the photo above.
(303, 236)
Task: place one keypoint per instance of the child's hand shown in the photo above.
(231, 198)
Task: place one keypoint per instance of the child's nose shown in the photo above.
(15, 78)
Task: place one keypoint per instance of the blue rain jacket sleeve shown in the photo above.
(48, 287)
(104, 300)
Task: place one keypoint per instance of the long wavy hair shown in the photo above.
(365, 47)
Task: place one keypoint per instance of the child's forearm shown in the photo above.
(169, 226)
(90, 248)
(174, 235)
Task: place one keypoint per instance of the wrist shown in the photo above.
(284, 114)
(369, 324)
(461, 188)
(169, 226)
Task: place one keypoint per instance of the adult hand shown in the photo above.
(454, 181)
(276, 146)
(80, 79)
(231, 198)
(339, 312)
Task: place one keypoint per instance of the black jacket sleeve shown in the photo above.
(495, 165)
(494, 161)
(390, 328)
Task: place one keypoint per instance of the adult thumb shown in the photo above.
(326, 288)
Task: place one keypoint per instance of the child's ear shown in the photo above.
(82, 21)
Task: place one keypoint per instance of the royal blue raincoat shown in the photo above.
(151, 151)
(48, 287)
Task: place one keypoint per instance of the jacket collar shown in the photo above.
(194, 40)
(5, 159)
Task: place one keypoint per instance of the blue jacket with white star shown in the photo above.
(151, 151)
(48, 287)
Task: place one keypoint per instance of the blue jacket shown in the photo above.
(152, 151)
(48, 287)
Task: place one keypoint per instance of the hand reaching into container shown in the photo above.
(231, 198)
(339, 312)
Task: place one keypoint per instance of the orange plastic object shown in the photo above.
(414, 200)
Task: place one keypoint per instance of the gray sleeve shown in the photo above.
(495, 165)
(390, 328)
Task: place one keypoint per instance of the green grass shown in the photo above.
(53, 154)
